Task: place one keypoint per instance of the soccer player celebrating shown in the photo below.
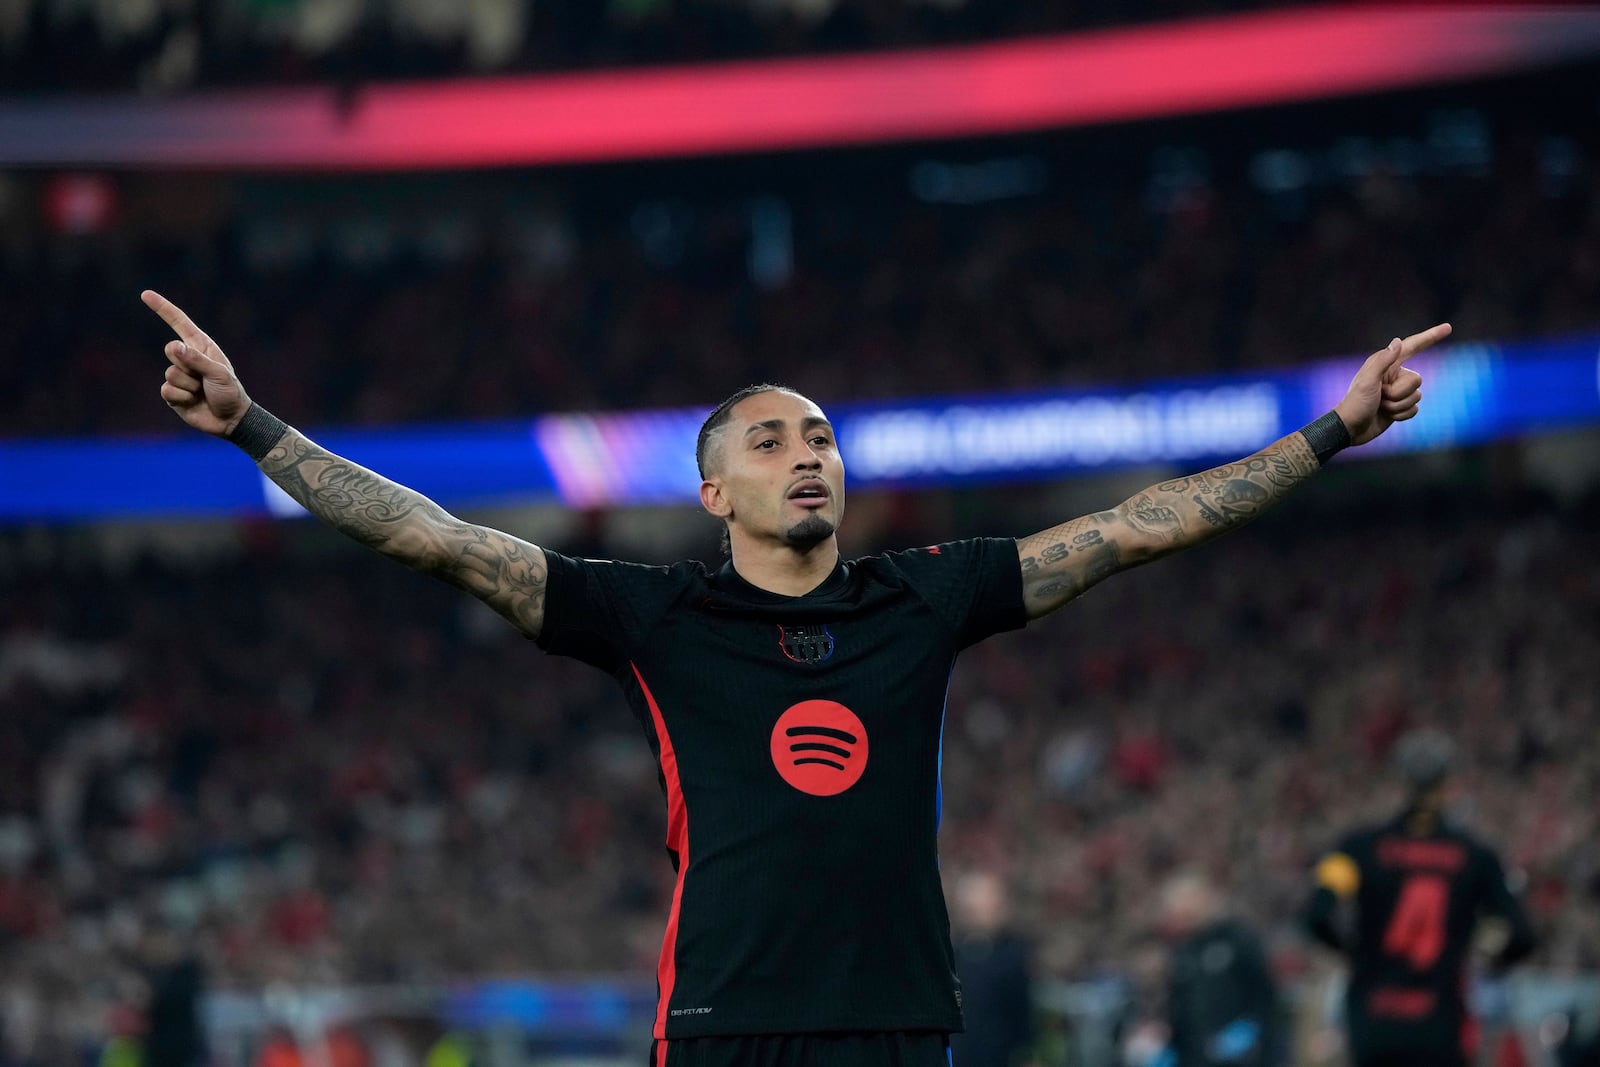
(794, 701)
(1417, 886)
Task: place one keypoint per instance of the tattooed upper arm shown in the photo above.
(1060, 563)
(505, 572)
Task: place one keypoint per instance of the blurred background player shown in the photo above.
(993, 959)
(1222, 1001)
(1403, 900)
(174, 1030)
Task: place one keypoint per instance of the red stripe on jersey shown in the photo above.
(678, 845)
(661, 1047)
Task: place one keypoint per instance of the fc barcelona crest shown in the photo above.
(806, 644)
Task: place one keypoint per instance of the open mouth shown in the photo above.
(810, 493)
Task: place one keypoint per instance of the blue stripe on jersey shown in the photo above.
(938, 789)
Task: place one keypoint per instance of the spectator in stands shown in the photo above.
(599, 299)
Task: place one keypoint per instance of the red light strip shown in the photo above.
(1037, 83)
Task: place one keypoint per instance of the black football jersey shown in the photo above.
(1418, 898)
(799, 742)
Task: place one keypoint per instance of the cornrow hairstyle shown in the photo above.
(722, 413)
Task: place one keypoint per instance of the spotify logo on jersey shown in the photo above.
(820, 747)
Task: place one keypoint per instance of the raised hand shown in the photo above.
(201, 385)
(1383, 391)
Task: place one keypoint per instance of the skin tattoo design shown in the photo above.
(503, 571)
(1064, 561)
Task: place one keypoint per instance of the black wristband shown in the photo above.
(258, 431)
(1326, 436)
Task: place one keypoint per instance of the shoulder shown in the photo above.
(974, 586)
(1358, 841)
(622, 572)
(1483, 853)
(1455, 832)
(629, 592)
(1339, 869)
(947, 557)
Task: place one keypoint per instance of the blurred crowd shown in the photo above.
(1095, 258)
(158, 46)
(319, 768)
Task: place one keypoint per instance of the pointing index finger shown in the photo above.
(181, 324)
(1417, 342)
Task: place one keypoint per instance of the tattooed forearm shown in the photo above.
(1158, 520)
(505, 572)
(350, 498)
(1063, 562)
(1226, 496)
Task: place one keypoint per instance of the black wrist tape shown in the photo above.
(258, 431)
(1326, 436)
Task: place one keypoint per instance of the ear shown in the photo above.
(713, 500)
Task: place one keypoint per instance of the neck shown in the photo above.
(1423, 812)
(783, 569)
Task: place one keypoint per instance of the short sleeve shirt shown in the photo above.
(1418, 901)
(799, 742)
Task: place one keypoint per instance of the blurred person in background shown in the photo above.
(1222, 1000)
(790, 654)
(174, 1034)
(1402, 901)
(994, 963)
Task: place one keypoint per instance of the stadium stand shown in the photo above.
(1107, 256)
(172, 46)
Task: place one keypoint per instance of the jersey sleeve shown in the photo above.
(1339, 872)
(599, 611)
(1335, 881)
(975, 585)
(1500, 902)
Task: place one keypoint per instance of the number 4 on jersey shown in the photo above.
(1416, 929)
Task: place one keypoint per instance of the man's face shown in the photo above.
(777, 473)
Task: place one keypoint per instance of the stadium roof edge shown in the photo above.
(1038, 83)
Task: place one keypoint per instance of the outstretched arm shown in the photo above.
(1063, 561)
(504, 572)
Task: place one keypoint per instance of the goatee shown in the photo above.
(809, 532)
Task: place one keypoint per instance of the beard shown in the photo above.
(809, 532)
